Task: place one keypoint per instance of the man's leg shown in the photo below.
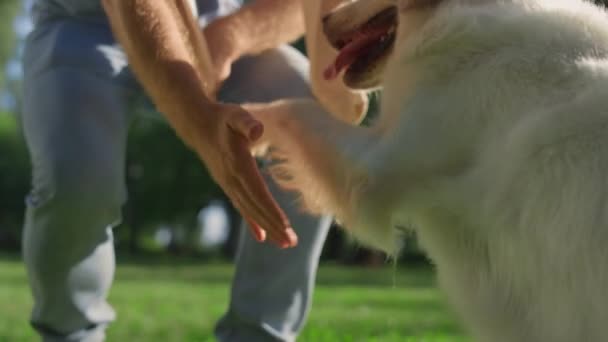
(272, 288)
(75, 124)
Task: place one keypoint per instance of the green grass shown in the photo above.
(168, 301)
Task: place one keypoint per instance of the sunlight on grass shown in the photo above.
(173, 302)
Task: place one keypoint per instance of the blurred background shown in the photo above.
(179, 236)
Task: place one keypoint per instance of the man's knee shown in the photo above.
(275, 74)
(71, 209)
(82, 188)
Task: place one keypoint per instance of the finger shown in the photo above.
(263, 203)
(254, 215)
(292, 239)
(244, 124)
(274, 230)
(254, 196)
(258, 233)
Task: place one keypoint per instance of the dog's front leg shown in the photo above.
(316, 155)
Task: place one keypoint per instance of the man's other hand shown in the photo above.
(226, 134)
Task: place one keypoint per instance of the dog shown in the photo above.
(491, 144)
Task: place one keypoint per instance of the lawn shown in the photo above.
(179, 301)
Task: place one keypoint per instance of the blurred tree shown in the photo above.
(8, 11)
(14, 181)
(14, 164)
(167, 183)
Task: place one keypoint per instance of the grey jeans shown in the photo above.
(78, 96)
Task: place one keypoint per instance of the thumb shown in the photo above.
(244, 124)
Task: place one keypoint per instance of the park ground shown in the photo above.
(178, 301)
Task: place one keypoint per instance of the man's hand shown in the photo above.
(224, 144)
(166, 51)
(226, 147)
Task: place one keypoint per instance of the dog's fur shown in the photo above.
(492, 145)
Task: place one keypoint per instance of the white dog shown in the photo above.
(492, 145)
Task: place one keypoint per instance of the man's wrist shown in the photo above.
(233, 30)
(199, 126)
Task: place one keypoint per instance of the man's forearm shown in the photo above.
(163, 55)
(266, 24)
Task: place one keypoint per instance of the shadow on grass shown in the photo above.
(386, 332)
(167, 268)
(328, 275)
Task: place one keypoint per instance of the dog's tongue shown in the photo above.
(349, 53)
(345, 58)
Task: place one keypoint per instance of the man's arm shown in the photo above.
(255, 27)
(266, 24)
(163, 60)
(165, 54)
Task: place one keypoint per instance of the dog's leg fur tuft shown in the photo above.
(324, 159)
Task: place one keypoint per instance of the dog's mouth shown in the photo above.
(363, 48)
